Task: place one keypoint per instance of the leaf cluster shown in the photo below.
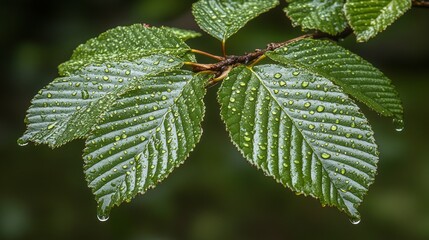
(135, 94)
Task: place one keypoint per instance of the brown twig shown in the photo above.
(420, 4)
(229, 61)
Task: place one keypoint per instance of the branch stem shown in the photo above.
(226, 63)
(420, 4)
(223, 48)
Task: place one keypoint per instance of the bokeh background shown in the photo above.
(216, 194)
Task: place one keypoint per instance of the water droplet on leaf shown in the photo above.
(102, 218)
(85, 94)
(277, 75)
(399, 124)
(355, 221)
(304, 84)
(320, 108)
(22, 142)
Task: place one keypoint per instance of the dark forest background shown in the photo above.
(216, 194)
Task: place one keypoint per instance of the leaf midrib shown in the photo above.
(151, 138)
(305, 139)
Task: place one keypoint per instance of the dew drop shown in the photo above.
(320, 108)
(304, 84)
(282, 83)
(296, 73)
(399, 124)
(102, 218)
(326, 155)
(355, 221)
(277, 75)
(51, 126)
(22, 142)
(232, 99)
(85, 94)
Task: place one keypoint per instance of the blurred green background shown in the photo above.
(216, 194)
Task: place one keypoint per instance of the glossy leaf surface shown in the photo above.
(326, 16)
(183, 33)
(148, 132)
(125, 44)
(223, 18)
(356, 76)
(70, 106)
(370, 17)
(303, 131)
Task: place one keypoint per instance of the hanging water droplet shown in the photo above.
(399, 124)
(22, 142)
(102, 218)
(355, 221)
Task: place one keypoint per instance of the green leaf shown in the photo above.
(124, 44)
(303, 131)
(223, 18)
(183, 34)
(144, 136)
(326, 16)
(356, 76)
(70, 106)
(369, 17)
